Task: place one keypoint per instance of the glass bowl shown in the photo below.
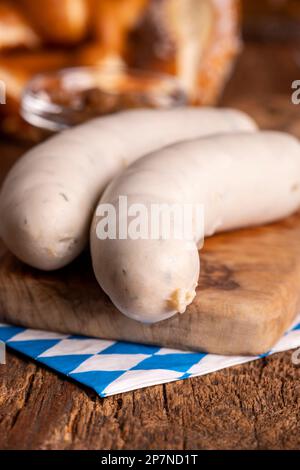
(62, 99)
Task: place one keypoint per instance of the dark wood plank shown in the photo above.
(255, 406)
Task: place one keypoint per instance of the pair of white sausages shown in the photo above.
(48, 198)
(242, 178)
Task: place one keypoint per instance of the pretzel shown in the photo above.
(196, 41)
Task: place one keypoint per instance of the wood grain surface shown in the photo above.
(254, 406)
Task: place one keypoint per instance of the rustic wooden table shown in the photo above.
(254, 406)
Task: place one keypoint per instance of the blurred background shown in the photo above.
(200, 43)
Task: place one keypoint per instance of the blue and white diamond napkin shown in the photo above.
(111, 367)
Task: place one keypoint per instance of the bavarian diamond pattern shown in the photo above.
(111, 367)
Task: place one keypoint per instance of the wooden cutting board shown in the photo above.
(248, 295)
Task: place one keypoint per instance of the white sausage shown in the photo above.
(48, 198)
(241, 179)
